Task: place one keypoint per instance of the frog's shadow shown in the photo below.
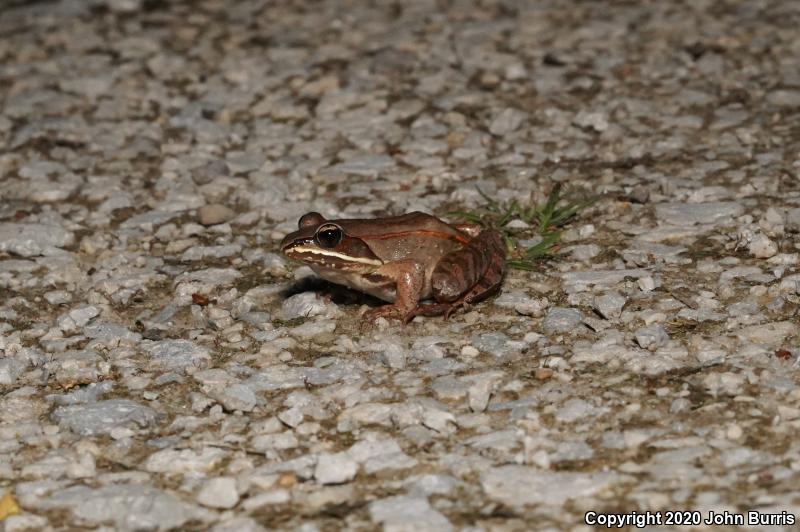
(338, 294)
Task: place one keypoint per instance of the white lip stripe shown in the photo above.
(318, 251)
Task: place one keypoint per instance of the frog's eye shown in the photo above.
(329, 236)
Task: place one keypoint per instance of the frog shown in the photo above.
(415, 262)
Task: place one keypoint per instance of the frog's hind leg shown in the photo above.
(487, 286)
(460, 270)
(467, 275)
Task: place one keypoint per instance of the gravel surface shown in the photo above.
(162, 366)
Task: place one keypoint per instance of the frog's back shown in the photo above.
(403, 222)
(414, 235)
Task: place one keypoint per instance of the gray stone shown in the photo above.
(651, 337)
(507, 121)
(10, 369)
(214, 214)
(24, 523)
(276, 377)
(176, 354)
(240, 524)
(30, 240)
(87, 394)
(126, 507)
(82, 315)
(450, 388)
(793, 220)
(149, 220)
(784, 98)
(771, 334)
(313, 328)
(575, 409)
(495, 343)
(609, 305)
(210, 171)
(479, 393)
(242, 162)
(195, 253)
(762, 247)
(601, 278)
(393, 355)
(304, 305)
(100, 417)
(176, 461)
(236, 396)
(518, 486)
(407, 513)
(111, 334)
(380, 454)
(597, 121)
(499, 440)
(365, 165)
(427, 485)
(571, 451)
(292, 417)
(280, 442)
(335, 468)
(302, 466)
(521, 302)
(720, 212)
(583, 252)
(561, 320)
(218, 492)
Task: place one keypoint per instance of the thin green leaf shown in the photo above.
(511, 212)
(521, 265)
(469, 216)
(509, 242)
(491, 204)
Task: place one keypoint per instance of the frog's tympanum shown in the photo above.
(404, 260)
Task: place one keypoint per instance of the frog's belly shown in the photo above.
(382, 289)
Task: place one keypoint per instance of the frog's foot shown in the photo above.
(393, 312)
(435, 309)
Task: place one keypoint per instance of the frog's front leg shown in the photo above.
(409, 279)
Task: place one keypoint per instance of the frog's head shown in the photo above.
(327, 244)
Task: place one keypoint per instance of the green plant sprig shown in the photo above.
(547, 220)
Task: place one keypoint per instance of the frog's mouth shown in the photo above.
(307, 252)
(328, 258)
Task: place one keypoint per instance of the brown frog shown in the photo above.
(404, 260)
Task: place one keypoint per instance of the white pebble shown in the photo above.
(219, 492)
(762, 247)
(646, 284)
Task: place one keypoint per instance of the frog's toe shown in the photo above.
(386, 311)
(431, 309)
(452, 308)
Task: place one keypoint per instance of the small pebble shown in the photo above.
(219, 492)
(214, 214)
